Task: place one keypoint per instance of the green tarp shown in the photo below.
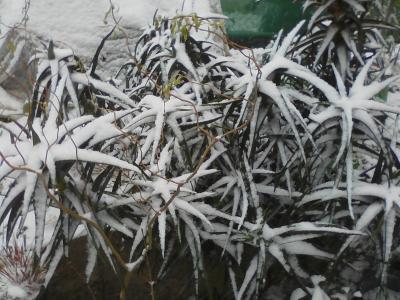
(262, 19)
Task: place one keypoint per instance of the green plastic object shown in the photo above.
(260, 19)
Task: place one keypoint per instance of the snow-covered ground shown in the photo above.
(81, 24)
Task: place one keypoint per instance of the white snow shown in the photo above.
(15, 291)
(9, 103)
(81, 24)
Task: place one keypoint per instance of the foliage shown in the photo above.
(284, 157)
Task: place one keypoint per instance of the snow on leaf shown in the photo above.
(277, 252)
(162, 230)
(183, 205)
(250, 273)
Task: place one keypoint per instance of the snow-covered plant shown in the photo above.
(284, 171)
(345, 33)
(20, 275)
(51, 147)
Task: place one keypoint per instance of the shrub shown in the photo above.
(283, 159)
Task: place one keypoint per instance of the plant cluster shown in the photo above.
(284, 160)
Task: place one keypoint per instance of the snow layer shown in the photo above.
(8, 103)
(81, 24)
(15, 291)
